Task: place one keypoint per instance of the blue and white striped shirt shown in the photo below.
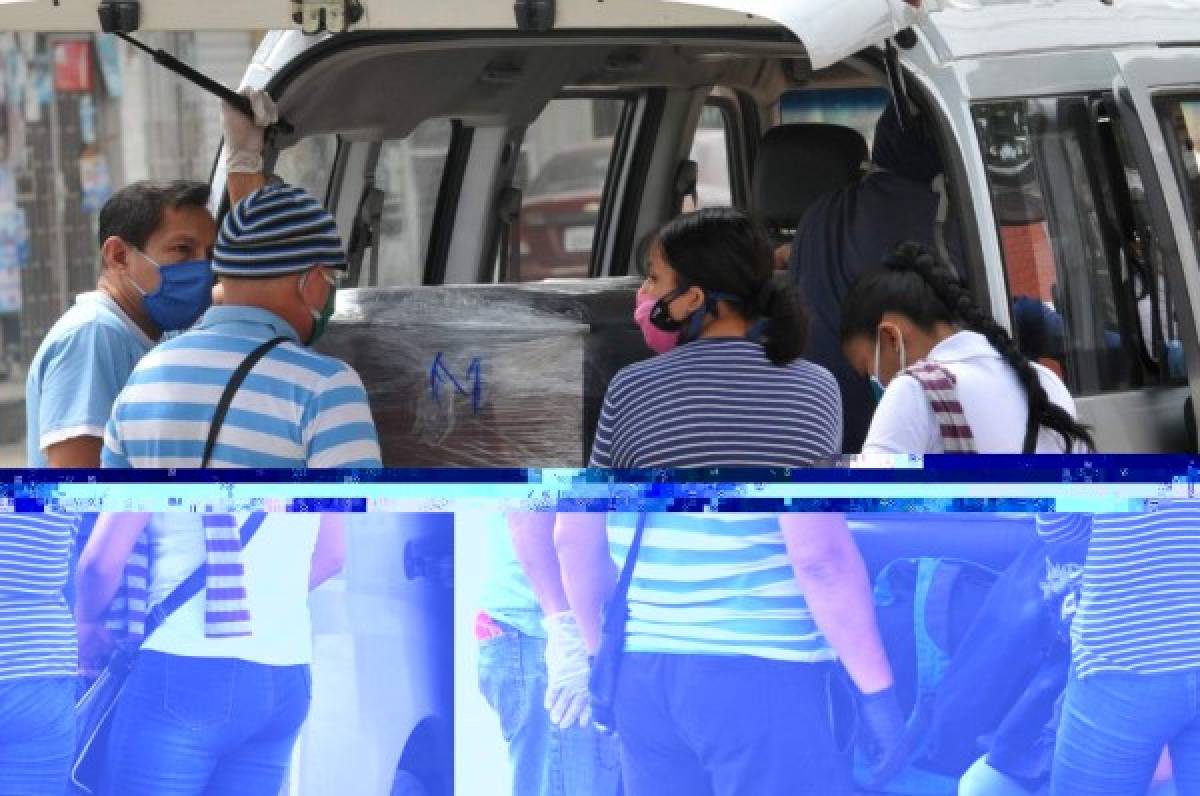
(1139, 610)
(715, 584)
(718, 402)
(296, 409)
(37, 633)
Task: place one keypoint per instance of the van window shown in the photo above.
(409, 176)
(1181, 120)
(1086, 281)
(710, 151)
(562, 175)
(309, 164)
(856, 108)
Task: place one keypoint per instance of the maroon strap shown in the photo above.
(942, 394)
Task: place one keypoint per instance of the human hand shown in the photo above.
(95, 648)
(886, 744)
(567, 672)
(245, 138)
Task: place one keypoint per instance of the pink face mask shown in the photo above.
(659, 340)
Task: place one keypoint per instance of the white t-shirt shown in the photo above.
(992, 398)
(277, 563)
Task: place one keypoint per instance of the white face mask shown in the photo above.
(877, 386)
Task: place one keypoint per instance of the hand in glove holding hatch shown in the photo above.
(567, 672)
(244, 137)
(886, 743)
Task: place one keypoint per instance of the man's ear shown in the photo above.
(115, 253)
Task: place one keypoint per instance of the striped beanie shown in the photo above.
(277, 230)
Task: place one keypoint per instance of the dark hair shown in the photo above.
(722, 250)
(136, 211)
(914, 284)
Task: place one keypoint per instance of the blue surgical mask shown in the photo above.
(184, 293)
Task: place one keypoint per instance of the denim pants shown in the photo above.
(546, 761)
(1113, 729)
(732, 725)
(216, 726)
(37, 735)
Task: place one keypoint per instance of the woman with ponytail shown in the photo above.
(734, 620)
(948, 378)
(728, 387)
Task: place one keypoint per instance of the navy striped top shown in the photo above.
(1139, 610)
(37, 633)
(718, 402)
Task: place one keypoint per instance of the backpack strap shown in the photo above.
(942, 395)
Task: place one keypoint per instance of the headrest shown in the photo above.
(797, 163)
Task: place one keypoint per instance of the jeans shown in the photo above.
(1114, 727)
(733, 725)
(546, 761)
(37, 735)
(215, 726)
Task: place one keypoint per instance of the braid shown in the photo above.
(949, 290)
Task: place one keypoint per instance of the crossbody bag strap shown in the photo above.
(235, 382)
(614, 618)
(190, 587)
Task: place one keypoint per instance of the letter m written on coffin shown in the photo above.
(442, 380)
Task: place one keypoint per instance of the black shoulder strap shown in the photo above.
(235, 382)
(626, 577)
(195, 582)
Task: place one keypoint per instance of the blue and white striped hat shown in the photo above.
(277, 230)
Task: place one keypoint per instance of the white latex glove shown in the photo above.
(243, 137)
(567, 672)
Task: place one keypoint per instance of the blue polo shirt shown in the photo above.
(77, 373)
(296, 409)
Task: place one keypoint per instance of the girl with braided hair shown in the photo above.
(955, 380)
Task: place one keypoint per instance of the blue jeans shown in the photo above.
(727, 725)
(546, 761)
(37, 735)
(1114, 727)
(214, 726)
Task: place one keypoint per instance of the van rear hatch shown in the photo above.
(830, 31)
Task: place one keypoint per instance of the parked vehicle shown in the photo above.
(562, 204)
(1067, 128)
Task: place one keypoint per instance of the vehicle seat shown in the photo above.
(797, 164)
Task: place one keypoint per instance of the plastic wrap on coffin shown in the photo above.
(487, 375)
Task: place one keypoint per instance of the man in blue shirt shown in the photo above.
(155, 240)
(277, 256)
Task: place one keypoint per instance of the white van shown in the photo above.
(1066, 127)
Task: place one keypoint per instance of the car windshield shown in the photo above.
(581, 170)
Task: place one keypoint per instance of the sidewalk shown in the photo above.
(12, 456)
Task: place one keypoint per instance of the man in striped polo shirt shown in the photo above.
(277, 257)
